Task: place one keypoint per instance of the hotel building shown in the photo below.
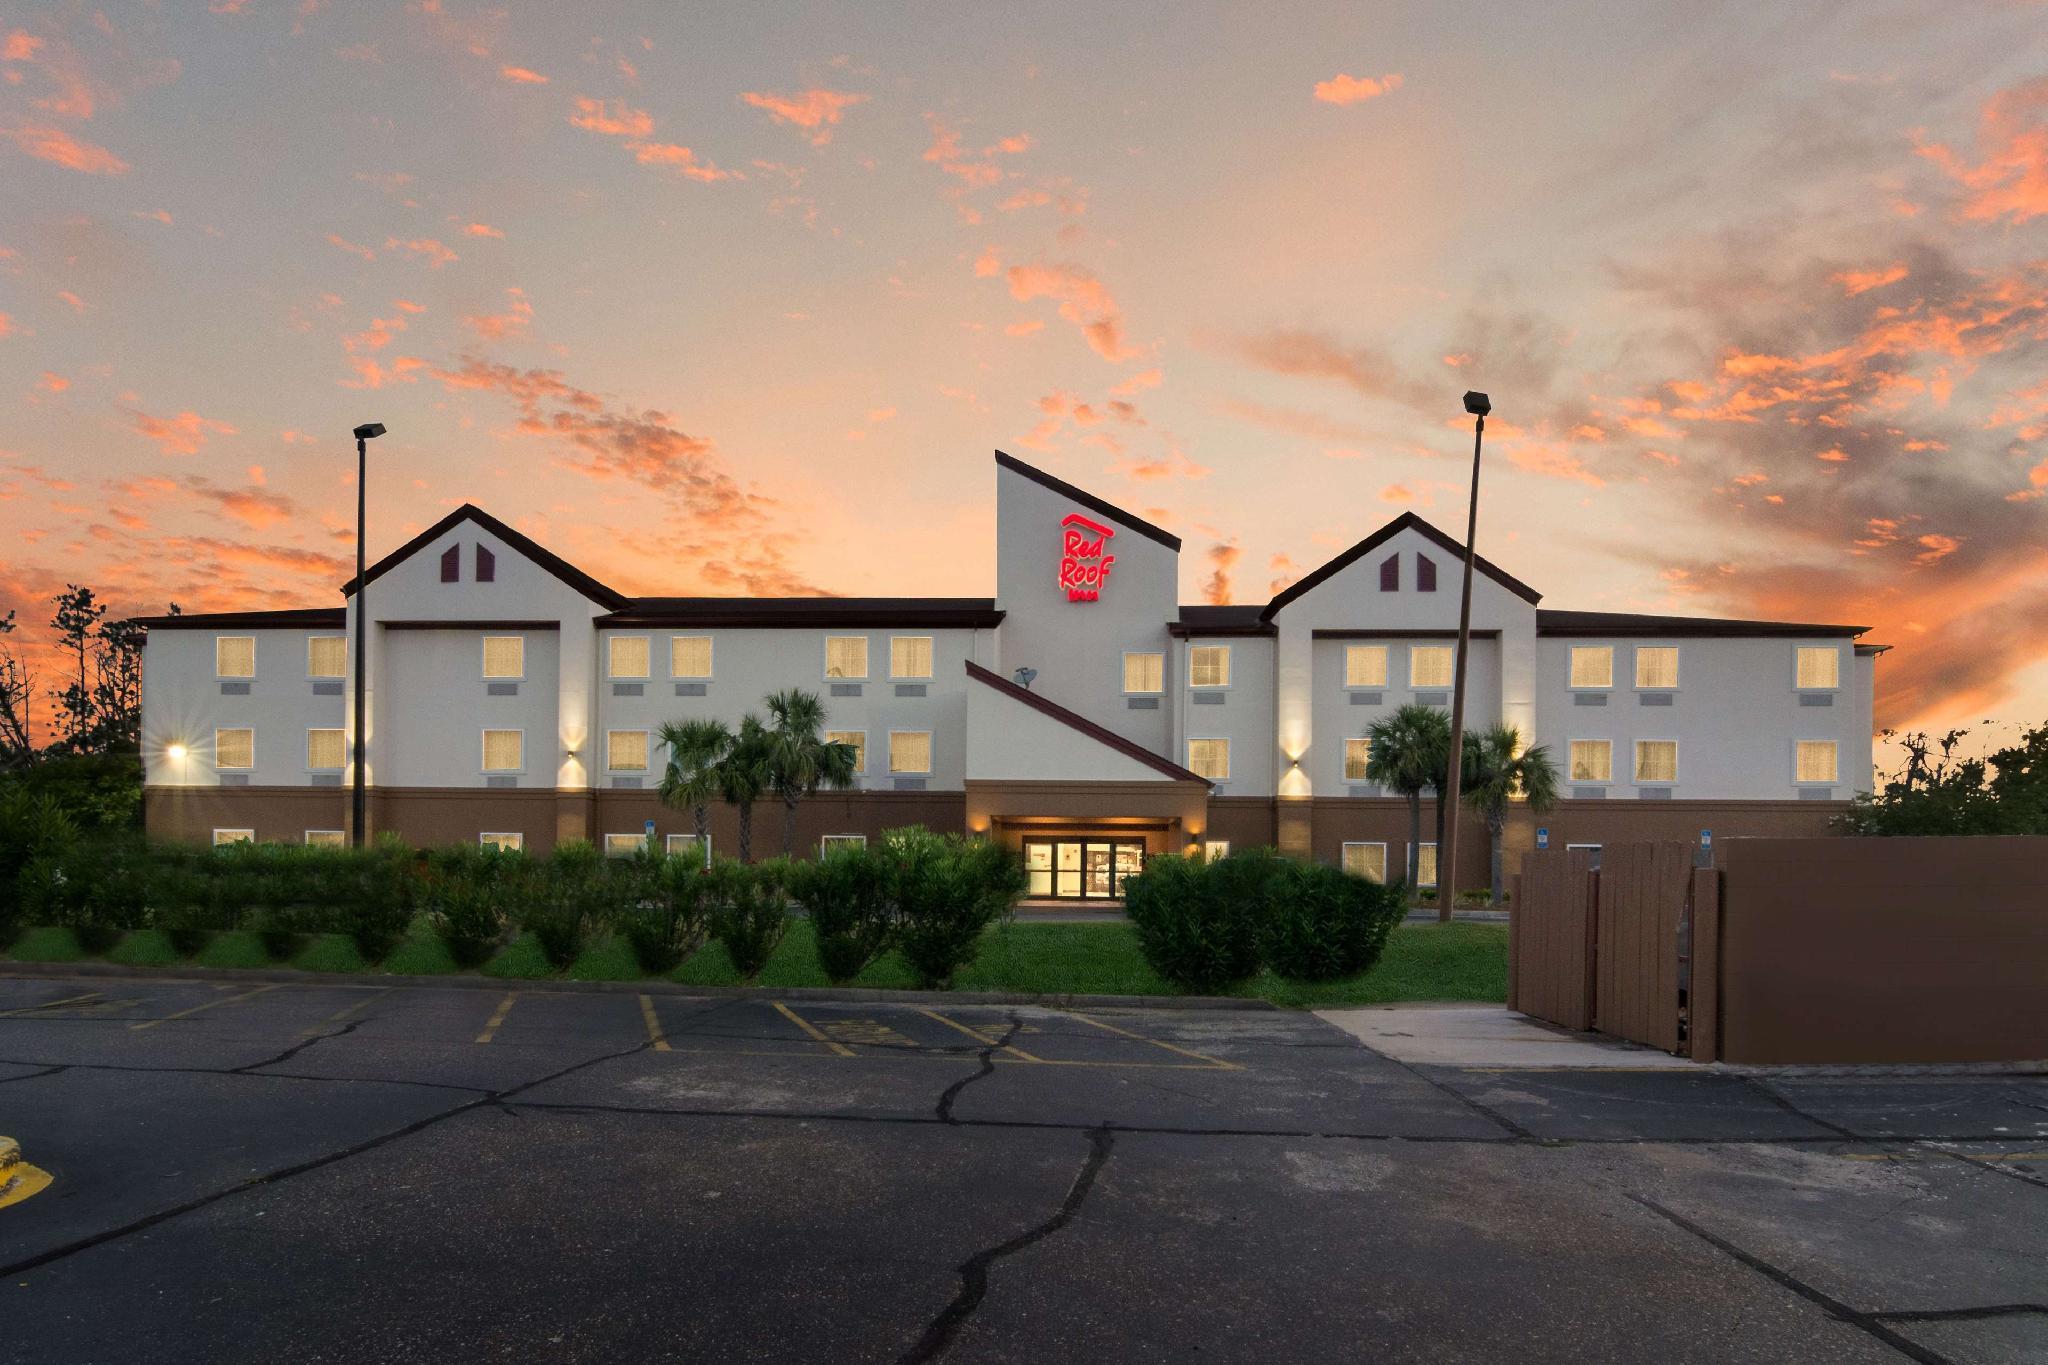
(1083, 715)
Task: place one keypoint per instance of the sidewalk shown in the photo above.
(1489, 1036)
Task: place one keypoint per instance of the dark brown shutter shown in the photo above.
(1425, 574)
(486, 566)
(451, 564)
(1390, 574)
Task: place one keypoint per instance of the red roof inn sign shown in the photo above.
(1084, 567)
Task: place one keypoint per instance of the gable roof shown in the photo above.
(545, 558)
(805, 611)
(1407, 521)
(1236, 619)
(1624, 623)
(1089, 500)
(292, 618)
(1081, 723)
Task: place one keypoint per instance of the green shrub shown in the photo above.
(92, 887)
(1198, 922)
(749, 911)
(662, 908)
(380, 893)
(947, 891)
(848, 895)
(31, 826)
(471, 892)
(564, 900)
(1322, 923)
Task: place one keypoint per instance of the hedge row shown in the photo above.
(926, 895)
(1209, 925)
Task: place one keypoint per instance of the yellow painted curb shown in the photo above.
(18, 1179)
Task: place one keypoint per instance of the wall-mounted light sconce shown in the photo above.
(175, 753)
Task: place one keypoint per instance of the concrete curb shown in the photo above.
(1789, 1071)
(858, 994)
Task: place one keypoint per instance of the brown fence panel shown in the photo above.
(1550, 938)
(1642, 900)
(1884, 950)
(1703, 996)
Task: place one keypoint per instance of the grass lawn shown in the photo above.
(1460, 961)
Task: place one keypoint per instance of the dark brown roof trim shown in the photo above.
(1199, 630)
(1089, 500)
(1872, 651)
(547, 559)
(295, 618)
(1083, 724)
(1400, 635)
(798, 612)
(1623, 624)
(471, 625)
(1405, 522)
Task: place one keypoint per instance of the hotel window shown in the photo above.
(504, 656)
(625, 751)
(680, 845)
(233, 836)
(326, 656)
(1656, 760)
(1209, 758)
(910, 656)
(234, 748)
(1366, 860)
(505, 841)
(1817, 761)
(1214, 850)
(1592, 666)
(325, 838)
(1365, 665)
(1425, 865)
(504, 751)
(846, 656)
(1144, 672)
(833, 843)
(1357, 758)
(234, 656)
(1819, 668)
(451, 564)
(910, 751)
(1425, 574)
(1592, 760)
(324, 750)
(1390, 574)
(1209, 666)
(856, 740)
(628, 656)
(1657, 666)
(623, 845)
(1429, 666)
(486, 566)
(689, 656)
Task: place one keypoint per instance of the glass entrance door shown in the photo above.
(1080, 869)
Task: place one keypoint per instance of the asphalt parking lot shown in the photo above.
(317, 1172)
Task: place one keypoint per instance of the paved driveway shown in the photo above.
(347, 1173)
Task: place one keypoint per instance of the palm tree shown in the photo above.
(690, 779)
(1407, 756)
(743, 777)
(800, 759)
(1497, 769)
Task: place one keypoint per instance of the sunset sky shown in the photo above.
(739, 298)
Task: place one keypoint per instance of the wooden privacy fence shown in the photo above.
(1609, 948)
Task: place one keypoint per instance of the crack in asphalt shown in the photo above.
(296, 1048)
(1996, 1310)
(48, 1070)
(941, 1331)
(1868, 1323)
(316, 1163)
(943, 1111)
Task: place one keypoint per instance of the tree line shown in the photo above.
(97, 695)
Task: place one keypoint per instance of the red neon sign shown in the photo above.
(1084, 567)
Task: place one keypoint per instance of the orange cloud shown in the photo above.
(613, 120)
(1346, 89)
(679, 159)
(179, 435)
(2011, 182)
(426, 248)
(20, 46)
(1216, 587)
(1856, 282)
(1083, 300)
(482, 230)
(46, 142)
(519, 75)
(50, 382)
(815, 111)
(510, 323)
(336, 239)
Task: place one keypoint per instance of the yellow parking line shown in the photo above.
(222, 1000)
(50, 1005)
(653, 1025)
(342, 1014)
(806, 1026)
(504, 1008)
(979, 1036)
(1216, 1062)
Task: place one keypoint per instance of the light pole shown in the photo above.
(361, 799)
(1447, 856)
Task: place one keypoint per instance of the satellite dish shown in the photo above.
(1024, 677)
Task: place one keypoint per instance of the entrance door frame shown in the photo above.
(1082, 842)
